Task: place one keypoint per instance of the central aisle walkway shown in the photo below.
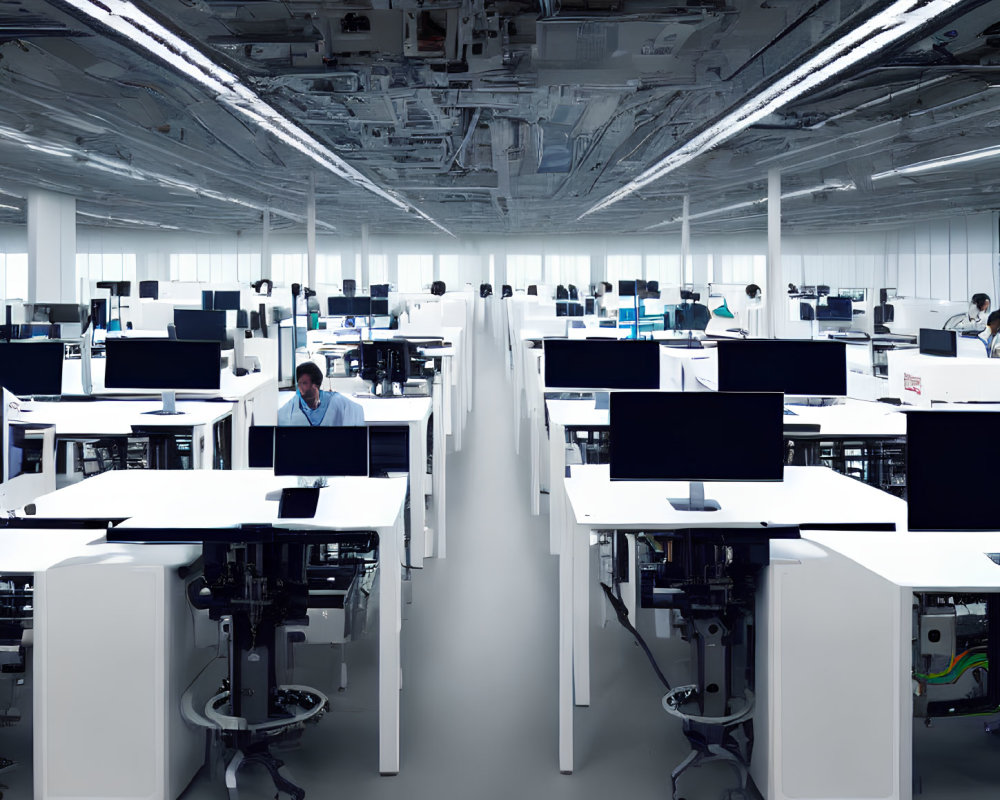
(479, 714)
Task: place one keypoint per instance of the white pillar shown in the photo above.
(51, 247)
(311, 233)
(774, 289)
(364, 259)
(265, 245)
(685, 238)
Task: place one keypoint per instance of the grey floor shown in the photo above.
(479, 714)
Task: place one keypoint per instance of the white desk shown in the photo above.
(919, 379)
(414, 413)
(104, 747)
(850, 732)
(807, 495)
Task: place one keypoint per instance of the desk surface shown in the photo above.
(921, 560)
(220, 498)
(808, 495)
(850, 418)
(108, 417)
(231, 386)
(37, 550)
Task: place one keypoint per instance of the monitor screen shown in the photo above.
(260, 446)
(207, 300)
(601, 364)
(836, 308)
(348, 306)
(379, 290)
(321, 450)
(65, 312)
(385, 360)
(380, 306)
(150, 289)
(226, 301)
(162, 364)
(934, 342)
(31, 368)
(626, 288)
(696, 436)
(943, 495)
(855, 295)
(783, 365)
(192, 324)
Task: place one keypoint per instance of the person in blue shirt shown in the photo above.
(312, 406)
(992, 340)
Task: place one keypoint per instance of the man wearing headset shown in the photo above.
(312, 406)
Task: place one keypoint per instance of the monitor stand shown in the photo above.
(169, 405)
(696, 501)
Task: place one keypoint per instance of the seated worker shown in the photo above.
(312, 406)
(975, 318)
(992, 340)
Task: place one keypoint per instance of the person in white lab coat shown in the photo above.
(975, 318)
(990, 336)
(312, 406)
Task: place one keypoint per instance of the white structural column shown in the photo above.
(685, 238)
(51, 247)
(364, 257)
(774, 290)
(311, 233)
(265, 245)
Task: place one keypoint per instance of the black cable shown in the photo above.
(622, 613)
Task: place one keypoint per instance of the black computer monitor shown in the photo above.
(260, 446)
(388, 360)
(321, 450)
(64, 312)
(226, 301)
(349, 306)
(943, 496)
(935, 342)
(150, 289)
(790, 366)
(601, 364)
(32, 368)
(836, 308)
(696, 436)
(162, 364)
(192, 324)
(379, 290)
(207, 300)
(380, 306)
(626, 288)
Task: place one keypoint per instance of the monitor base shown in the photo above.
(696, 500)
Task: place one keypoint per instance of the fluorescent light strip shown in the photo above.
(834, 186)
(939, 163)
(99, 162)
(877, 33)
(5, 207)
(124, 18)
(109, 218)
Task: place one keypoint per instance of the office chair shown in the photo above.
(561, 292)
(806, 312)
(485, 290)
(533, 290)
(350, 287)
(574, 293)
(506, 291)
(438, 288)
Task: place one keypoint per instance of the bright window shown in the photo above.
(524, 270)
(664, 268)
(15, 275)
(568, 270)
(104, 267)
(415, 273)
(623, 268)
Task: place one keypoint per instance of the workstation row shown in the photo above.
(227, 540)
(712, 511)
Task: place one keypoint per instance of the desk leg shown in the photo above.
(581, 615)
(536, 472)
(566, 650)
(389, 624)
(418, 507)
(440, 483)
(557, 493)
